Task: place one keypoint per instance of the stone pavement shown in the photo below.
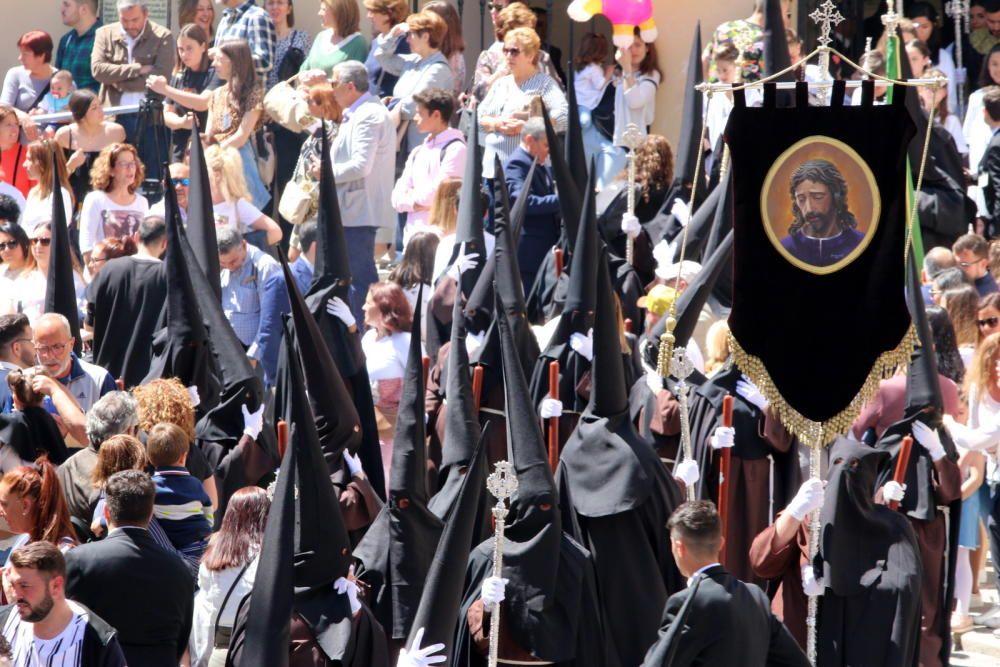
(978, 647)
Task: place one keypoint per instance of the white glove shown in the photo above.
(723, 437)
(811, 586)
(353, 462)
(681, 212)
(808, 499)
(929, 438)
(341, 311)
(894, 491)
(550, 407)
(253, 422)
(194, 396)
(420, 657)
(749, 391)
(348, 587)
(631, 225)
(493, 591)
(687, 472)
(583, 345)
(654, 381)
(463, 263)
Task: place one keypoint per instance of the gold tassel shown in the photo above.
(809, 432)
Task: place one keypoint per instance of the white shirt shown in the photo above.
(240, 213)
(212, 589)
(63, 650)
(37, 210)
(159, 208)
(589, 84)
(101, 217)
(699, 571)
(386, 357)
(132, 98)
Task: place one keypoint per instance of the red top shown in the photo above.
(12, 168)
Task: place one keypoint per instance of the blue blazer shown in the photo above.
(541, 224)
(303, 274)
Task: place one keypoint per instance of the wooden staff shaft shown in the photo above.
(282, 429)
(628, 325)
(557, 254)
(477, 386)
(899, 474)
(725, 458)
(554, 421)
(427, 368)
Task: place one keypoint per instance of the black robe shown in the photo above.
(31, 432)
(568, 633)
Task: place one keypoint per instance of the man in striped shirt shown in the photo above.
(43, 628)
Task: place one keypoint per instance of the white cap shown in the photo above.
(686, 270)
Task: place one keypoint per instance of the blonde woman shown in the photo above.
(231, 199)
(444, 220)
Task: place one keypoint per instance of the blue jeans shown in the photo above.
(361, 257)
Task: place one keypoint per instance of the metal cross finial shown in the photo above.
(502, 482)
(891, 17)
(632, 137)
(958, 11)
(826, 17)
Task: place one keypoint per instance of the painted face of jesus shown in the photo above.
(815, 203)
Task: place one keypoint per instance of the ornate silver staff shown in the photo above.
(631, 138)
(681, 367)
(958, 10)
(815, 445)
(502, 483)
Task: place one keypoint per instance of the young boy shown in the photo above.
(182, 507)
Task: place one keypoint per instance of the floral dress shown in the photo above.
(226, 119)
(749, 41)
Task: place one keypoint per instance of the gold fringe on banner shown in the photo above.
(812, 433)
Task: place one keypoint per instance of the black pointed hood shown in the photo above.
(201, 215)
(581, 296)
(397, 550)
(691, 302)
(534, 527)
(776, 57)
(332, 263)
(470, 230)
(442, 596)
(322, 546)
(690, 141)
(608, 391)
(60, 288)
(569, 193)
(181, 349)
(305, 546)
(923, 385)
(576, 156)
(337, 422)
(700, 225)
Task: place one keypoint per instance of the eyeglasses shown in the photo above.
(95, 260)
(988, 322)
(495, 6)
(126, 165)
(42, 241)
(966, 265)
(55, 348)
(180, 182)
(8, 245)
(511, 51)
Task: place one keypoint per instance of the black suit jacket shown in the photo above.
(990, 167)
(727, 623)
(144, 592)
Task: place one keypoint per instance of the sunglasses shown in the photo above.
(511, 51)
(179, 182)
(988, 322)
(42, 241)
(8, 245)
(495, 6)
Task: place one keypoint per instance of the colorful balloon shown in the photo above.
(625, 16)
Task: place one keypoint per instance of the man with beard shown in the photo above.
(824, 231)
(16, 349)
(42, 627)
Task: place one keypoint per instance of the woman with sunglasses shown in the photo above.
(988, 315)
(512, 99)
(15, 252)
(31, 295)
(962, 304)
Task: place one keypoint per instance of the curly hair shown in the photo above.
(165, 401)
(117, 453)
(101, 174)
(654, 164)
(825, 173)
